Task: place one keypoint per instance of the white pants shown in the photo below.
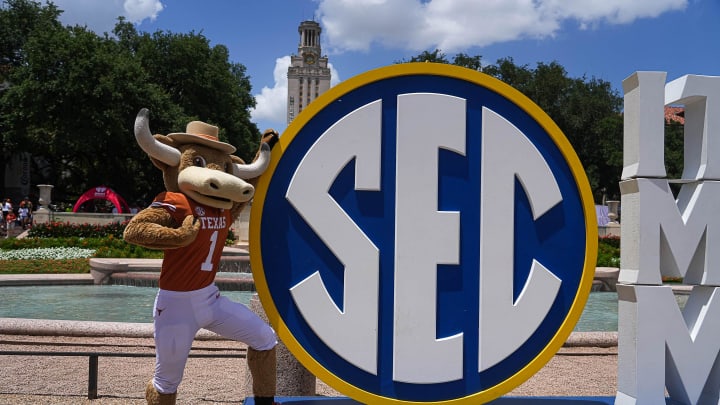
(179, 315)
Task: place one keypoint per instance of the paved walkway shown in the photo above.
(581, 371)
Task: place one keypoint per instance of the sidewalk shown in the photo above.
(580, 371)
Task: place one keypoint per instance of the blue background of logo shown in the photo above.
(291, 251)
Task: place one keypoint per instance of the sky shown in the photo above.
(603, 39)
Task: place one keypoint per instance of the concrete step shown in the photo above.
(234, 260)
(237, 282)
(13, 232)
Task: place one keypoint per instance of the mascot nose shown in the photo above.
(247, 192)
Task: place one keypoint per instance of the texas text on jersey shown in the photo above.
(193, 268)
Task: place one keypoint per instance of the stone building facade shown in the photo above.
(308, 74)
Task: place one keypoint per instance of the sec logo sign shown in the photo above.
(424, 234)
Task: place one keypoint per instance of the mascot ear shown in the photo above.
(160, 165)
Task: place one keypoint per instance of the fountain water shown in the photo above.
(106, 303)
(125, 303)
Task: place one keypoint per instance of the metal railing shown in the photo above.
(93, 361)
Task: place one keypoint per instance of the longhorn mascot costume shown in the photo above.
(206, 189)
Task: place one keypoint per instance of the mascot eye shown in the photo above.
(199, 161)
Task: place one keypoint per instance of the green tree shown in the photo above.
(467, 61)
(199, 79)
(18, 19)
(72, 105)
(435, 56)
(674, 149)
(74, 97)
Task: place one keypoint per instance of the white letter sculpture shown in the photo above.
(660, 346)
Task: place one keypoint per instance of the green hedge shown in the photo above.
(68, 230)
(42, 266)
(608, 251)
(610, 240)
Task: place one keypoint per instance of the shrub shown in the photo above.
(127, 250)
(608, 251)
(45, 266)
(68, 230)
(610, 240)
(608, 255)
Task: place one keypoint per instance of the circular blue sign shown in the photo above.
(424, 234)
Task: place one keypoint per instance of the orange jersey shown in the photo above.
(194, 266)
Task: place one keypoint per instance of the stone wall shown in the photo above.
(42, 216)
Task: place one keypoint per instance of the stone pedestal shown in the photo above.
(613, 208)
(242, 225)
(292, 378)
(42, 215)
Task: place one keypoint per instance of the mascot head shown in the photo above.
(198, 165)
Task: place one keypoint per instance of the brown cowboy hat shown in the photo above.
(202, 133)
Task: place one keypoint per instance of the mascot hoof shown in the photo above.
(265, 401)
(263, 369)
(153, 397)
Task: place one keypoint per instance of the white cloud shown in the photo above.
(271, 103)
(101, 16)
(611, 11)
(453, 25)
(334, 75)
(355, 25)
(138, 10)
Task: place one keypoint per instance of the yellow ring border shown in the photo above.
(519, 99)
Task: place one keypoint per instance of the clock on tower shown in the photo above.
(309, 58)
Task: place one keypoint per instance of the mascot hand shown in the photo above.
(189, 229)
(154, 228)
(270, 137)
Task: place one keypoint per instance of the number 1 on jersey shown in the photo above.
(207, 265)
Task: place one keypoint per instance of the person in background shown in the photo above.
(29, 206)
(23, 214)
(10, 223)
(6, 209)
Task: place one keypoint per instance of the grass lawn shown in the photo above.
(45, 266)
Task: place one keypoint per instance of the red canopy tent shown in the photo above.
(103, 193)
